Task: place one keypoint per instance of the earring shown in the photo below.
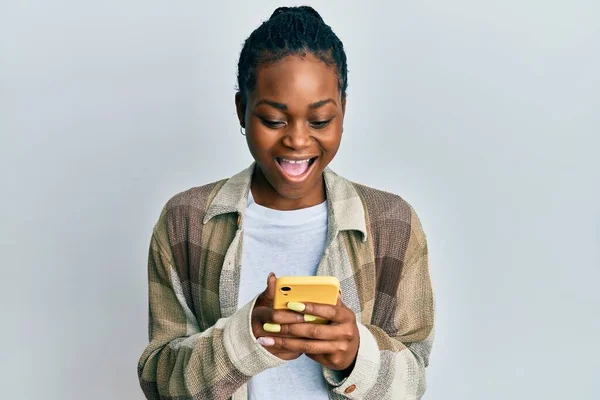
(243, 133)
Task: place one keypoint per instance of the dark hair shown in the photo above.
(290, 31)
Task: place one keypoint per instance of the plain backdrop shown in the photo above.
(484, 115)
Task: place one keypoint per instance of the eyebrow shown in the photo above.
(279, 106)
(321, 103)
(283, 107)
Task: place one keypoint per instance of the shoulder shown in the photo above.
(381, 205)
(197, 197)
(389, 213)
(186, 208)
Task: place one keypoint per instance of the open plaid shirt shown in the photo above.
(202, 347)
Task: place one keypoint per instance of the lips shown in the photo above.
(295, 168)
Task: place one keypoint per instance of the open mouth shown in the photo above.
(295, 169)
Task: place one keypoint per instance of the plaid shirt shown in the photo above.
(202, 346)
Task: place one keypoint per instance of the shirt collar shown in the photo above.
(345, 207)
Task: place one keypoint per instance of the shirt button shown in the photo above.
(350, 389)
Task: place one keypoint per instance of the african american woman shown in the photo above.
(217, 249)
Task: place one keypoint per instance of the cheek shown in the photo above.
(260, 143)
(259, 131)
(331, 141)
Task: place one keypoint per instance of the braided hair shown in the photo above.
(290, 31)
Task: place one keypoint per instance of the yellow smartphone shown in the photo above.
(306, 289)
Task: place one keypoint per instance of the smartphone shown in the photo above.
(306, 289)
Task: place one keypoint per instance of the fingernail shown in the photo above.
(309, 318)
(273, 328)
(294, 306)
(265, 341)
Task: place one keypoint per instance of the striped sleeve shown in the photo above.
(181, 361)
(393, 355)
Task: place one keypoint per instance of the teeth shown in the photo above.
(295, 162)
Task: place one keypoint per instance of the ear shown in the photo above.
(343, 111)
(241, 113)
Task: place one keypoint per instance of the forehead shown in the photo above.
(297, 79)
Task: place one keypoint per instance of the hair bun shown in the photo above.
(307, 10)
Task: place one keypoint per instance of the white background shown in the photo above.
(483, 115)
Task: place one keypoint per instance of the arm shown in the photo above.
(391, 360)
(181, 361)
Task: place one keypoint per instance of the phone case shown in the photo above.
(306, 289)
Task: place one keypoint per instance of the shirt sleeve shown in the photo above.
(183, 362)
(391, 362)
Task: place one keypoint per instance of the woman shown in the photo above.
(213, 332)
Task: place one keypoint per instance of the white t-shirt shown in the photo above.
(287, 243)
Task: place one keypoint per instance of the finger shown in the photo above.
(267, 330)
(322, 359)
(266, 297)
(337, 313)
(307, 346)
(313, 331)
(267, 314)
(268, 344)
(286, 355)
(270, 291)
(286, 317)
(327, 361)
(263, 325)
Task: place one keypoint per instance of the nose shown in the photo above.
(297, 137)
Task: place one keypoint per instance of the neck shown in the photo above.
(265, 195)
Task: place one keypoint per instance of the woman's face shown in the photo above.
(293, 122)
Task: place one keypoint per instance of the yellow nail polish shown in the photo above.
(273, 328)
(309, 318)
(299, 307)
(314, 319)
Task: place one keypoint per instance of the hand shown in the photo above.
(263, 312)
(334, 345)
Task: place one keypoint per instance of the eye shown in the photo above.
(272, 124)
(320, 124)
